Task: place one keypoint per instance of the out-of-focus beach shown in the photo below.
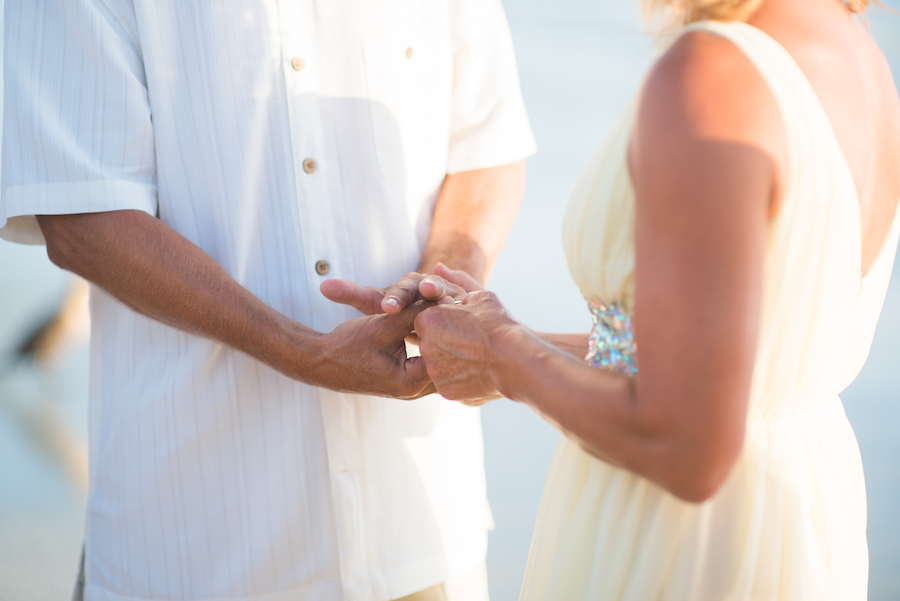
(579, 63)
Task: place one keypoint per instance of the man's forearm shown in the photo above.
(472, 218)
(156, 271)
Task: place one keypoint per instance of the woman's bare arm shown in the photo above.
(573, 344)
(704, 160)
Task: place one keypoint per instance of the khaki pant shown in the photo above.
(468, 587)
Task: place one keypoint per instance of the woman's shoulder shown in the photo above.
(705, 112)
(705, 86)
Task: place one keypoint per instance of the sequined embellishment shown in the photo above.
(611, 343)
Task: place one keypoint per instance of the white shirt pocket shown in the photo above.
(409, 84)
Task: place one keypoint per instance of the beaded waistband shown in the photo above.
(611, 343)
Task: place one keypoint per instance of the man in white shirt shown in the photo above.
(206, 165)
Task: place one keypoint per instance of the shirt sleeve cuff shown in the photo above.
(491, 147)
(21, 203)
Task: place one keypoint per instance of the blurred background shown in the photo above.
(579, 61)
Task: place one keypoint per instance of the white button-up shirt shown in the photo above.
(274, 134)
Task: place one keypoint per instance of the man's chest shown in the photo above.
(330, 47)
(346, 83)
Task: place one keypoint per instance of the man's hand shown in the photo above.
(367, 355)
(156, 271)
(148, 266)
(472, 217)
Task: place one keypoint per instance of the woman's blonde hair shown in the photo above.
(665, 15)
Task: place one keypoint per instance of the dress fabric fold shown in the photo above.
(790, 521)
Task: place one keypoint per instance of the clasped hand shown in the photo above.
(455, 339)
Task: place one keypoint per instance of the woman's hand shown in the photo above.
(445, 286)
(458, 343)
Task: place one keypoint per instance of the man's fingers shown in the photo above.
(338, 291)
(400, 295)
(365, 299)
(458, 277)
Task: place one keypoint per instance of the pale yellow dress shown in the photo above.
(790, 522)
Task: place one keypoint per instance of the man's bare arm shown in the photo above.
(472, 218)
(150, 267)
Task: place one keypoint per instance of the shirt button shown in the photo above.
(322, 267)
(409, 53)
(297, 63)
(309, 165)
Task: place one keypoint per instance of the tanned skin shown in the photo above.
(707, 159)
(472, 217)
(159, 273)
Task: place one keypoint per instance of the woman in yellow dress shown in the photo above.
(734, 236)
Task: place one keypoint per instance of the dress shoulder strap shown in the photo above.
(793, 93)
(816, 161)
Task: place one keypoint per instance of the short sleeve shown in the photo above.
(77, 133)
(488, 124)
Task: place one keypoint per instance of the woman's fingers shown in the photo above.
(424, 321)
(416, 286)
(458, 277)
(434, 287)
(447, 285)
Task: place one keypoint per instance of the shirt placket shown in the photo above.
(317, 181)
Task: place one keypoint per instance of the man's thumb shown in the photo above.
(364, 300)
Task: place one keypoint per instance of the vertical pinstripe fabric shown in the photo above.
(213, 477)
